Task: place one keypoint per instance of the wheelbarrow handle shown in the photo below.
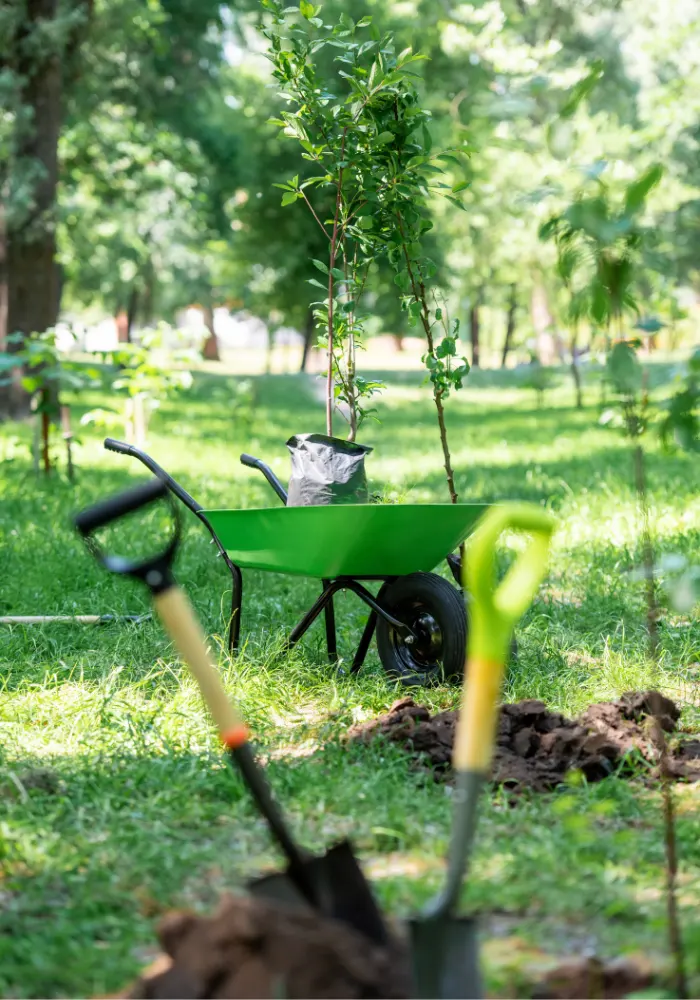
(122, 448)
(255, 463)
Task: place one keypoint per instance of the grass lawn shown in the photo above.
(134, 813)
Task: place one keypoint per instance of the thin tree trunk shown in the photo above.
(510, 325)
(270, 348)
(575, 370)
(210, 349)
(45, 430)
(474, 330)
(131, 312)
(308, 340)
(675, 938)
(398, 341)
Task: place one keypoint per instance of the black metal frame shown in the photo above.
(324, 603)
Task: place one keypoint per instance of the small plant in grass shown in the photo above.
(45, 375)
(144, 379)
(628, 382)
(367, 138)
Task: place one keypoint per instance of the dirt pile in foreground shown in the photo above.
(263, 950)
(257, 949)
(536, 748)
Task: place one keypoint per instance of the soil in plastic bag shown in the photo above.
(258, 949)
(326, 470)
(537, 748)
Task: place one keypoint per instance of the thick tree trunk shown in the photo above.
(308, 340)
(474, 330)
(31, 292)
(510, 325)
(210, 349)
(3, 275)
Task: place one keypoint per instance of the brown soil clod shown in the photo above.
(259, 949)
(590, 977)
(535, 747)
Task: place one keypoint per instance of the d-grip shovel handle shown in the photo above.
(177, 615)
(494, 611)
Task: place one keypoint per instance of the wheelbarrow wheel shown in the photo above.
(434, 611)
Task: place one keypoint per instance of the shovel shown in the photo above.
(333, 884)
(444, 946)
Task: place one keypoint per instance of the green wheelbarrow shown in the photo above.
(418, 617)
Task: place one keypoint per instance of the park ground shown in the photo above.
(114, 802)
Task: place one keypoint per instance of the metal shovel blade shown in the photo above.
(445, 958)
(342, 891)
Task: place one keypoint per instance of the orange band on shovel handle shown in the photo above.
(235, 738)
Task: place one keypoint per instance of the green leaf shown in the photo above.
(338, 273)
(462, 186)
(365, 21)
(289, 198)
(427, 139)
(457, 202)
(320, 265)
(638, 191)
(582, 89)
(307, 9)
(384, 137)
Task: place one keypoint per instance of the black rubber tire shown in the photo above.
(435, 609)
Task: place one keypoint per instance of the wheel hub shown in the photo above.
(426, 641)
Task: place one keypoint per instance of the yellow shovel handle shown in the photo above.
(494, 610)
(176, 613)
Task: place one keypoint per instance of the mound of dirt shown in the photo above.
(536, 748)
(259, 949)
(589, 977)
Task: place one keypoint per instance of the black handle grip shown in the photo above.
(111, 444)
(179, 491)
(256, 463)
(109, 510)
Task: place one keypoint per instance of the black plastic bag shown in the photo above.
(326, 470)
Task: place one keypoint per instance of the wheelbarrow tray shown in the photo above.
(344, 540)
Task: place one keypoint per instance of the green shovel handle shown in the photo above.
(495, 610)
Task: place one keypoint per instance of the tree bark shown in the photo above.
(308, 340)
(210, 349)
(510, 325)
(31, 292)
(474, 329)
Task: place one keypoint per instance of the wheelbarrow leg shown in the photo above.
(365, 641)
(234, 628)
(331, 640)
(314, 611)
